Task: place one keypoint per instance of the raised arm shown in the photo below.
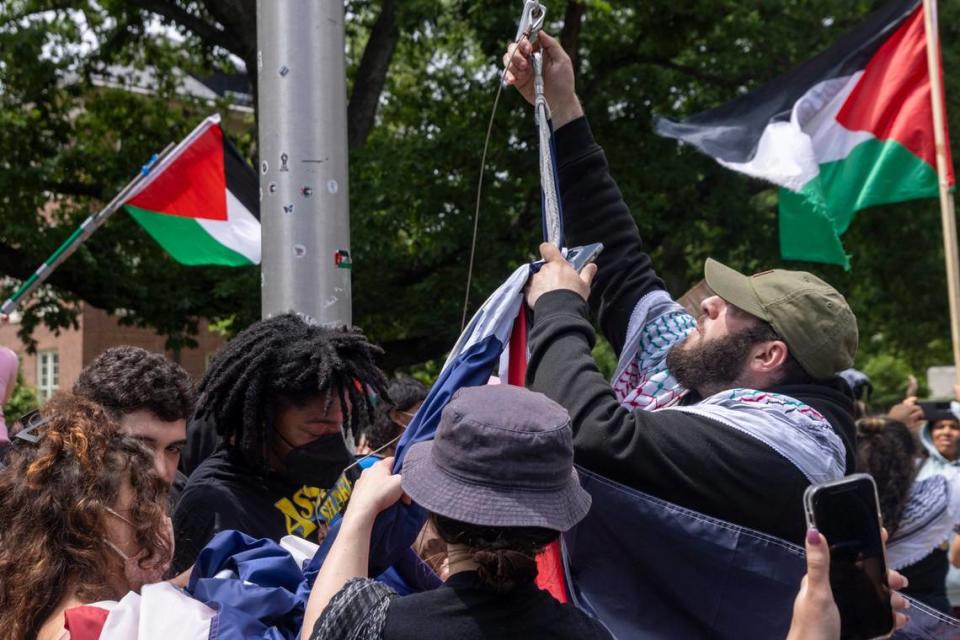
(349, 556)
(594, 209)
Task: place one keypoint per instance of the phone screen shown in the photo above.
(846, 514)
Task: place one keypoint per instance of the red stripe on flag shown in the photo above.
(193, 185)
(550, 576)
(517, 366)
(892, 99)
(85, 622)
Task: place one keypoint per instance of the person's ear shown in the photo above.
(769, 356)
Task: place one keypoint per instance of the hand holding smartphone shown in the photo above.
(847, 513)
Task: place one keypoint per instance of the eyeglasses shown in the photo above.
(28, 425)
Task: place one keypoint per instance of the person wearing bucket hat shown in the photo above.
(499, 484)
(732, 413)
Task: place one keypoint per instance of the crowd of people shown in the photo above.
(731, 412)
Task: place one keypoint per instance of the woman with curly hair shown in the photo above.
(919, 514)
(82, 519)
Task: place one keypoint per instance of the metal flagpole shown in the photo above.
(947, 209)
(79, 236)
(302, 112)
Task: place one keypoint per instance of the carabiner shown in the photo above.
(531, 21)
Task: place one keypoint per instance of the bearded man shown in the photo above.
(732, 414)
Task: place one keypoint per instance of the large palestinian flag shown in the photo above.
(848, 129)
(200, 202)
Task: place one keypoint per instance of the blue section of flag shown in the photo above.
(647, 568)
(258, 598)
(696, 576)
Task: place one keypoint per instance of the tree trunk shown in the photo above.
(372, 75)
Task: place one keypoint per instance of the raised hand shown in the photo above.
(559, 86)
(558, 274)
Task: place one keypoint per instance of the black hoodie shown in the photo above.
(687, 459)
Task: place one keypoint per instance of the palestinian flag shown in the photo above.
(201, 202)
(846, 130)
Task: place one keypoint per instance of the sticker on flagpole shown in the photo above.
(272, 187)
(288, 208)
(342, 259)
(299, 250)
(264, 167)
(283, 162)
(283, 71)
(307, 192)
(332, 186)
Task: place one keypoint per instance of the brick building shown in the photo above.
(59, 358)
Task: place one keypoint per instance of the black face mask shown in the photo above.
(318, 463)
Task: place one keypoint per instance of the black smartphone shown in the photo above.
(847, 513)
(936, 410)
(579, 257)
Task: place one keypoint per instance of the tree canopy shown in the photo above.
(422, 76)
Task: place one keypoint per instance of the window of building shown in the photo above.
(48, 374)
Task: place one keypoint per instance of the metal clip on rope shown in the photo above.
(531, 23)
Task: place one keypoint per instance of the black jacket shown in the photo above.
(687, 459)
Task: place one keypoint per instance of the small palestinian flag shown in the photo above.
(846, 130)
(201, 202)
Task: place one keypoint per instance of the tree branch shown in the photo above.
(197, 25)
(68, 188)
(239, 21)
(372, 74)
(570, 34)
(627, 60)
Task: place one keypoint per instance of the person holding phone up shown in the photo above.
(732, 414)
(815, 612)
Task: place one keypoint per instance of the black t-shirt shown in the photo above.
(461, 609)
(202, 442)
(225, 492)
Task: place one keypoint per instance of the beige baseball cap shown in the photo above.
(811, 316)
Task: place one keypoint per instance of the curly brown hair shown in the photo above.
(887, 450)
(53, 501)
(125, 379)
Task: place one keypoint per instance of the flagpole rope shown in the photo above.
(483, 164)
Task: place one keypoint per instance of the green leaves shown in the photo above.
(67, 143)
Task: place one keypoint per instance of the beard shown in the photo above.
(715, 364)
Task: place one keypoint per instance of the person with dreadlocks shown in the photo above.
(285, 397)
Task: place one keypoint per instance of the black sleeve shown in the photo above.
(202, 441)
(594, 211)
(686, 459)
(199, 515)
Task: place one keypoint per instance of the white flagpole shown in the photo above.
(947, 209)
